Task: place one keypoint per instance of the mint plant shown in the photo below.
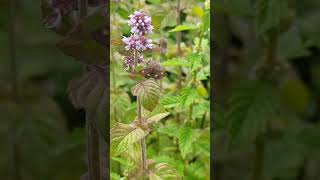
(129, 140)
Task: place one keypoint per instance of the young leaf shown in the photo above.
(156, 118)
(148, 93)
(184, 27)
(195, 61)
(188, 95)
(185, 140)
(124, 136)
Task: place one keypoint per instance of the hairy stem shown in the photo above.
(142, 142)
(178, 39)
(135, 58)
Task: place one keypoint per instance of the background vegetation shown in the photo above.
(181, 39)
(266, 74)
(41, 133)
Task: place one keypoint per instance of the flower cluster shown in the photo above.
(136, 42)
(153, 70)
(128, 62)
(140, 23)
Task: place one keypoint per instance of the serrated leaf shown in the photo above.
(124, 136)
(156, 118)
(195, 61)
(148, 93)
(188, 95)
(185, 140)
(170, 101)
(252, 106)
(184, 27)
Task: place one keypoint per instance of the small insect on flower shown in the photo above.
(154, 70)
(140, 23)
(136, 42)
(128, 62)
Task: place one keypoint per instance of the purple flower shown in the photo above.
(136, 42)
(128, 62)
(140, 23)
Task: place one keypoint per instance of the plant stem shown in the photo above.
(143, 141)
(135, 52)
(178, 40)
(178, 34)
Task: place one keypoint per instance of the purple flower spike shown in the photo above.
(139, 43)
(128, 63)
(140, 23)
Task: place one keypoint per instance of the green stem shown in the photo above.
(143, 141)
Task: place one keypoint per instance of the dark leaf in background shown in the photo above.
(252, 107)
(80, 88)
(80, 45)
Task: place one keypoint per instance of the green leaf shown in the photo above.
(195, 61)
(174, 62)
(162, 171)
(156, 118)
(291, 46)
(170, 101)
(184, 27)
(115, 176)
(148, 93)
(272, 14)
(206, 21)
(123, 136)
(170, 130)
(188, 96)
(185, 140)
(251, 107)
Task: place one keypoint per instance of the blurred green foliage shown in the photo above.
(41, 132)
(266, 113)
(181, 139)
